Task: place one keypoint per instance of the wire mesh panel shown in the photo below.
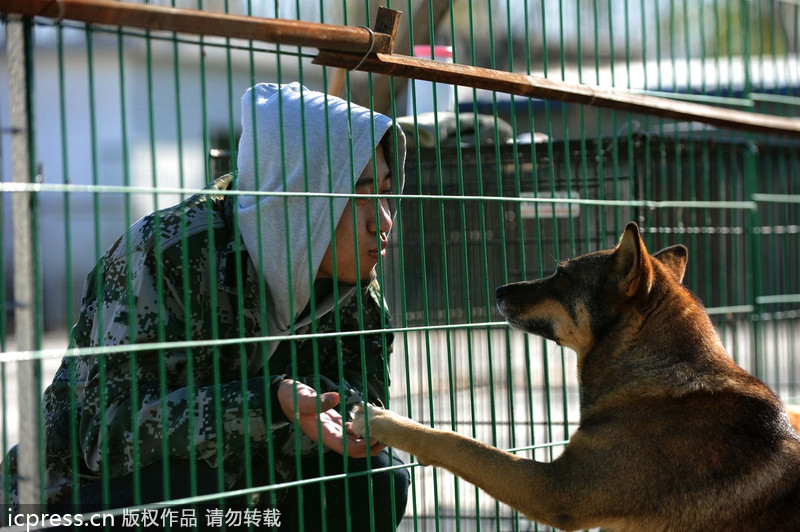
(529, 231)
(519, 392)
(124, 122)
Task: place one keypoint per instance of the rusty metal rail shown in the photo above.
(290, 32)
(548, 89)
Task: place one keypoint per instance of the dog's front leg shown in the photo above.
(528, 486)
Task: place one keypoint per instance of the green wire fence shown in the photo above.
(541, 129)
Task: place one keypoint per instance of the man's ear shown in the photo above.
(631, 262)
(675, 259)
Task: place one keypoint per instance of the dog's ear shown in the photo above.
(675, 259)
(632, 262)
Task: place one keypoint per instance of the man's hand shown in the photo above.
(325, 420)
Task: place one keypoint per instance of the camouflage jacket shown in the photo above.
(182, 274)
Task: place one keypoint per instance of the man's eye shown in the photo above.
(364, 189)
(362, 195)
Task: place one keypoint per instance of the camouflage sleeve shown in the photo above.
(156, 416)
(138, 406)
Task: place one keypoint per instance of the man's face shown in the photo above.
(364, 221)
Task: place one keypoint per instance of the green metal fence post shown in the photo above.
(754, 256)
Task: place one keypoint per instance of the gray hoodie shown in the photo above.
(301, 141)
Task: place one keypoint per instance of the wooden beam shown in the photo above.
(422, 20)
(387, 22)
(290, 32)
(548, 89)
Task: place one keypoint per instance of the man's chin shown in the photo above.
(369, 277)
(365, 279)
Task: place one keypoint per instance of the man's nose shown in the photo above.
(383, 221)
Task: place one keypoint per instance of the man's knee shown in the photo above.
(399, 477)
(390, 487)
(401, 480)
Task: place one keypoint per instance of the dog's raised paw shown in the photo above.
(360, 413)
(358, 425)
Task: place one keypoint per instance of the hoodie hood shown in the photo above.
(300, 141)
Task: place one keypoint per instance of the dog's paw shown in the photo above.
(360, 413)
(358, 425)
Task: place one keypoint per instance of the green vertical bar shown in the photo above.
(521, 234)
(159, 266)
(754, 256)
(312, 302)
(73, 428)
(424, 290)
(97, 213)
(186, 287)
(470, 361)
(513, 421)
(394, 170)
(446, 297)
(770, 166)
(230, 100)
(794, 258)
(481, 187)
(337, 315)
(38, 306)
(633, 127)
(362, 346)
(133, 365)
(541, 268)
(614, 143)
(422, 277)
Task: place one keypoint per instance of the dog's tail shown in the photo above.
(794, 416)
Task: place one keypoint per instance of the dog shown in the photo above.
(673, 435)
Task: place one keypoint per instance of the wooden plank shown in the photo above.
(561, 91)
(290, 32)
(426, 15)
(387, 21)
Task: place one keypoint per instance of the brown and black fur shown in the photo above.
(673, 434)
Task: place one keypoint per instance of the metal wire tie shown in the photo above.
(371, 46)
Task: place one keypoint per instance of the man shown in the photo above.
(240, 276)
